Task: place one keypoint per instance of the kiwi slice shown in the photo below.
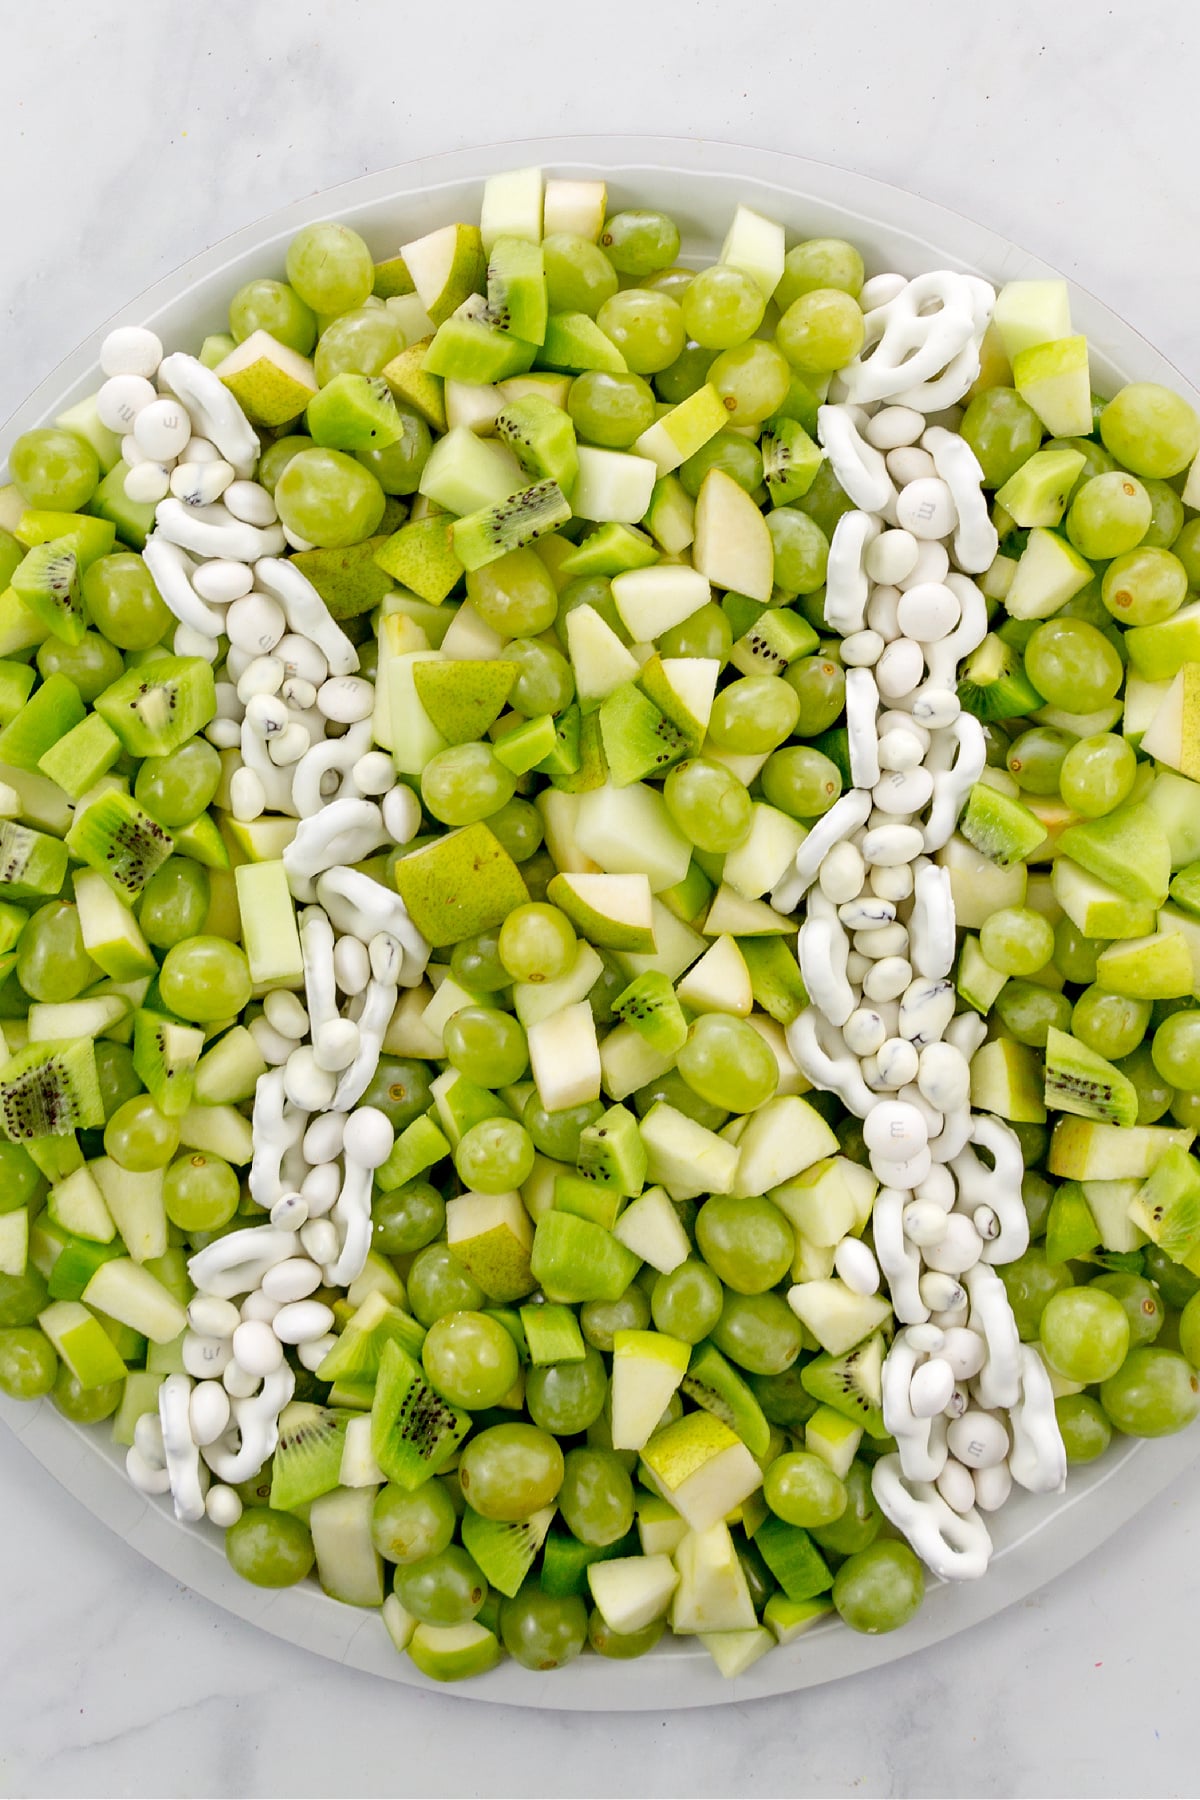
(354, 412)
(993, 683)
(48, 582)
(516, 288)
(590, 770)
(851, 1384)
(33, 866)
(542, 438)
(48, 1090)
(715, 1384)
(639, 741)
(1081, 1082)
(1000, 828)
(413, 1432)
(650, 1005)
(353, 1362)
(165, 1054)
(124, 843)
(505, 1551)
(790, 461)
(308, 1456)
(493, 531)
(157, 706)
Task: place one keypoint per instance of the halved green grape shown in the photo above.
(174, 903)
(1003, 430)
(514, 594)
(801, 781)
(709, 804)
(262, 304)
(407, 1218)
(579, 277)
(438, 1284)
(329, 499)
(537, 943)
(494, 1156)
(565, 1398)
(639, 241)
(465, 783)
(1109, 515)
(470, 1359)
(821, 330)
(1016, 940)
(330, 267)
(28, 1364)
(407, 1527)
(1083, 1424)
(802, 1489)
(820, 686)
(1035, 757)
(1072, 665)
(646, 327)
(1154, 1393)
(1112, 1025)
(754, 714)
(543, 1631)
(54, 469)
(610, 410)
(1144, 587)
(361, 342)
(759, 1332)
(52, 964)
(880, 1588)
(722, 307)
(686, 1303)
(200, 1192)
(486, 1045)
(596, 1497)
(752, 380)
(510, 1471)
(205, 979)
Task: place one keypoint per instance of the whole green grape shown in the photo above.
(734, 455)
(1175, 1283)
(1031, 1281)
(28, 1364)
(638, 241)
(268, 1548)
(494, 1156)
(1016, 940)
(820, 686)
(465, 783)
(556, 1134)
(406, 1527)
(140, 1137)
(686, 1302)
(20, 1177)
(1154, 1095)
(609, 409)
(709, 804)
(622, 1646)
(800, 781)
(1154, 1393)
(600, 1320)
(329, 499)
(174, 903)
(861, 1521)
(470, 1359)
(1097, 774)
(579, 277)
(22, 1298)
(205, 979)
(266, 305)
(545, 681)
(405, 1219)
(1109, 515)
(438, 1284)
(819, 263)
(543, 1631)
(821, 331)
(1073, 665)
(85, 1405)
(54, 469)
(92, 664)
(200, 1192)
(1027, 1011)
(802, 1489)
(486, 1045)
(752, 380)
(1144, 587)
(706, 633)
(399, 465)
(275, 459)
(748, 1242)
(52, 963)
(400, 1090)
(330, 267)
(1083, 1424)
(1003, 430)
(801, 550)
(514, 594)
(1189, 1331)
(1113, 1025)
(510, 1471)
(1186, 546)
(1150, 430)
(753, 715)
(785, 1400)
(1074, 954)
(176, 789)
(517, 825)
(1141, 1301)
(1035, 758)
(646, 327)
(566, 1398)
(686, 374)
(1176, 1050)
(596, 1497)
(1085, 1334)
(447, 1588)
(727, 1063)
(722, 306)
(475, 964)
(537, 943)
(758, 1332)
(880, 1588)
(361, 342)
(1166, 514)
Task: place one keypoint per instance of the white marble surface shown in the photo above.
(135, 132)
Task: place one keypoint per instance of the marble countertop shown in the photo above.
(133, 134)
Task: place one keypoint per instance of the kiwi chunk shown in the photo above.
(993, 683)
(413, 1432)
(650, 1005)
(505, 1551)
(611, 1153)
(157, 706)
(639, 741)
(33, 866)
(790, 461)
(308, 1456)
(793, 1559)
(851, 1384)
(165, 1054)
(542, 438)
(48, 582)
(1081, 1082)
(1167, 1205)
(493, 531)
(50, 1089)
(1000, 828)
(124, 843)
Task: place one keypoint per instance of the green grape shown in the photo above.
(1016, 940)
(686, 374)
(1154, 1393)
(206, 979)
(672, 1088)
(85, 1405)
(747, 1242)
(728, 1063)
(1144, 587)
(19, 1174)
(1109, 515)
(1074, 954)
(862, 1521)
(1176, 1050)
(819, 263)
(510, 1471)
(565, 1398)
(200, 1192)
(752, 380)
(438, 1284)
(801, 550)
(475, 964)
(1084, 1427)
(518, 827)
(1097, 774)
(1189, 1331)
(400, 1090)
(486, 1045)
(537, 943)
(802, 1489)
(1176, 1284)
(465, 783)
(1110, 1024)
(54, 469)
(1166, 517)
(686, 1303)
(1030, 1281)
(1027, 1012)
(1033, 1140)
(605, 990)
(92, 664)
(1154, 1095)
(1085, 1334)
(12, 555)
(271, 1549)
(579, 277)
(330, 267)
(821, 330)
(801, 781)
(1035, 757)
(1096, 459)
(596, 1497)
(709, 804)
(361, 342)
(825, 501)
(22, 1297)
(594, 591)
(266, 305)
(1186, 546)
(722, 307)
(139, 1136)
(329, 499)
(674, 281)
(879, 1588)
(275, 459)
(600, 1320)
(759, 1332)
(52, 963)
(470, 1359)
(734, 455)
(1072, 665)
(174, 903)
(706, 633)
(753, 715)
(407, 1527)
(622, 1646)
(610, 410)
(543, 1631)
(407, 1218)
(176, 789)
(784, 1398)
(646, 327)
(556, 1134)
(820, 686)
(28, 1365)
(638, 241)
(514, 594)
(1003, 430)
(494, 1156)
(399, 465)
(1150, 429)
(447, 1588)
(545, 681)
(1140, 1300)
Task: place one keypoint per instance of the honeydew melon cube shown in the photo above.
(565, 1057)
(414, 739)
(14, 1242)
(269, 932)
(653, 1230)
(755, 245)
(82, 1342)
(465, 473)
(648, 1367)
(632, 1591)
(629, 831)
(77, 1204)
(111, 935)
(1031, 312)
(612, 485)
(736, 1651)
(782, 1138)
(651, 601)
(676, 946)
(512, 207)
(770, 846)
